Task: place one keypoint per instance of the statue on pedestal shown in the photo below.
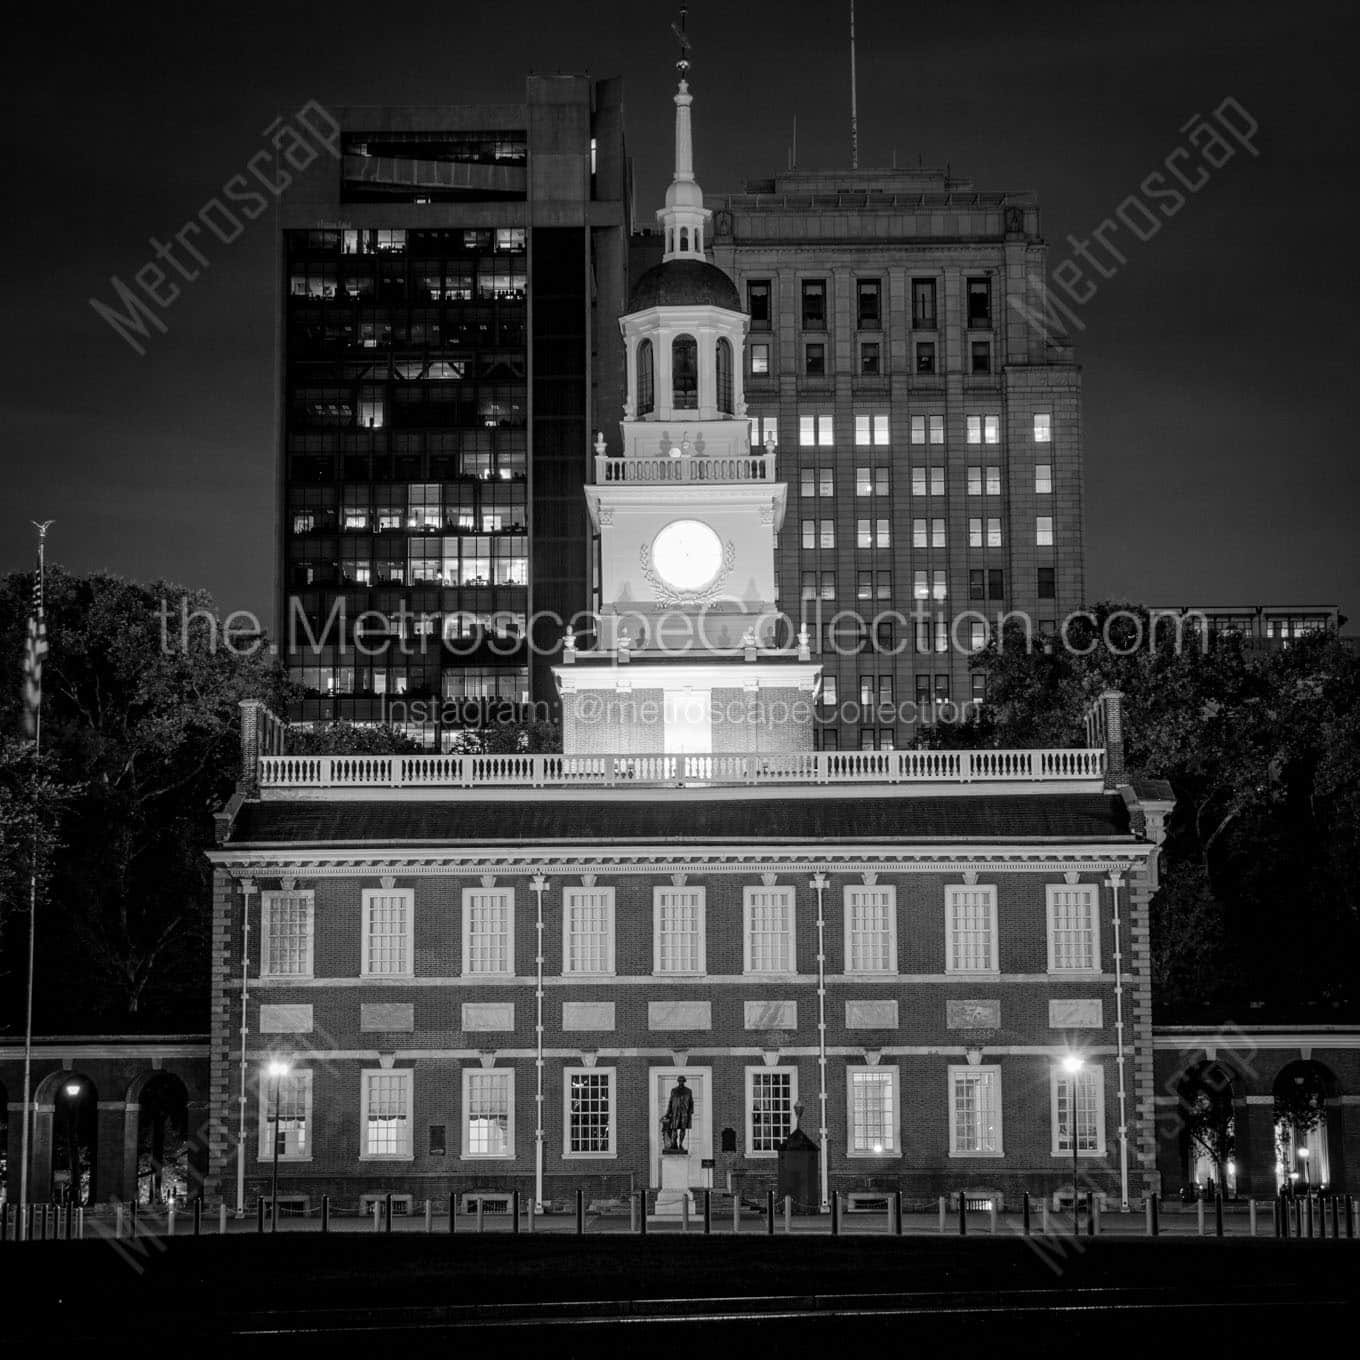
(675, 1123)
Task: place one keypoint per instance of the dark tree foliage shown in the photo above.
(141, 729)
(1260, 902)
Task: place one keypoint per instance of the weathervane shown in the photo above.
(685, 46)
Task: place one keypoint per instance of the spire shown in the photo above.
(684, 219)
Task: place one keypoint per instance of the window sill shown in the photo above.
(974, 1156)
(486, 1156)
(890, 1156)
(591, 977)
(589, 1156)
(1074, 974)
(877, 976)
(1094, 1154)
(388, 977)
(265, 1159)
(387, 1156)
(974, 974)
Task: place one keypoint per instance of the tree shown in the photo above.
(140, 716)
(350, 739)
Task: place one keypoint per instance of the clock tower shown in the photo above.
(691, 654)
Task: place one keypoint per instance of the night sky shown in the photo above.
(1220, 388)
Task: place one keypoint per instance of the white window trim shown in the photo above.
(267, 900)
(957, 1070)
(509, 894)
(408, 1080)
(567, 895)
(896, 1150)
(747, 906)
(1052, 889)
(465, 1139)
(994, 971)
(702, 927)
(1056, 1074)
(613, 1074)
(792, 1074)
(365, 927)
(266, 1103)
(890, 971)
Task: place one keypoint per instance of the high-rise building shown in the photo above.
(447, 337)
(927, 412)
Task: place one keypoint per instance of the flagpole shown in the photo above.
(29, 1112)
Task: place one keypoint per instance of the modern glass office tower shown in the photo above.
(448, 339)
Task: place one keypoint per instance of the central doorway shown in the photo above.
(700, 1140)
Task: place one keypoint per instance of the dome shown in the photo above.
(684, 283)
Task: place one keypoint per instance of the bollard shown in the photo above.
(132, 1216)
(1251, 1217)
(70, 1222)
(222, 1218)
(453, 1211)
(684, 1212)
(835, 1213)
(4, 1222)
(1147, 1215)
(1043, 1223)
(325, 1213)
(514, 1211)
(963, 1215)
(632, 1213)
(429, 1216)
(1024, 1213)
(941, 1213)
(1218, 1214)
(708, 1212)
(1336, 1218)
(1308, 1209)
(1275, 1216)
(170, 1222)
(387, 1212)
(769, 1213)
(1350, 1218)
(80, 1223)
(788, 1214)
(992, 1211)
(580, 1213)
(1199, 1215)
(532, 1210)
(736, 1213)
(481, 1215)
(377, 1215)
(31, 1223)
(897, 1213)
(198, 1215)
(259, 1216)
(1092, 1226)
(642, 1213)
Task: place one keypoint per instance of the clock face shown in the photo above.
(687, 554)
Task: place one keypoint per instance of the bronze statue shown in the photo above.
(679, 1116)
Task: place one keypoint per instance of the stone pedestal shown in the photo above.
(675, 1189)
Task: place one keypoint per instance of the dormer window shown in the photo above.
(684, 372)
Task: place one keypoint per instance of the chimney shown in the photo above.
(1108, 712)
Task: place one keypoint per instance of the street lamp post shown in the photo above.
(1072, 1065)
(278, 1070)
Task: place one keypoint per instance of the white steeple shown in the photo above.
(684, 220)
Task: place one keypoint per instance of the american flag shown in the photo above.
(35, 648)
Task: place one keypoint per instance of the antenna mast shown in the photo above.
(854, 96)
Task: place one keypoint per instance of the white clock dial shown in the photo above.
(687, 554)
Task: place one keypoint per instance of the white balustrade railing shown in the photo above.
(640, 771)
(688, 467)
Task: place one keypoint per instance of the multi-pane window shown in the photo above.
(1043, 427)
(678, 930)
(871, 1098)
(970, 930)
(287, 947)
(388, 921)
(870, 929)
(488, 1112)
(588, 930)
(983, 429)
(863, 481)
(993, 532)
(882, 481)
(1043, 479)
(925, 356)
(814, 304)
(488, 931)
(937, 533)
(826, 533)
(975, 1112)
(1043, 531)
(876, 533)
(918, 429)
(386, 1113)
(923, 304)
(870, 358)
(589, 1093)
(1048, 583)
(869, 304)
(814, 359)
(871, 429)
(937, 429)
(1089, 1084)
(769, 930)
(294, 1116)
(760, 360)
(1073, 929)
(758, 303)
(979, 303)
(771, 1094)
(977, 636)
(815, 431)
(763, 429)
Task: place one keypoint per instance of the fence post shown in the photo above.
(788, 1214)
(1199, 1215)
(1308, 1209)
(835, 1213)
(325, 1213)
(80, 1223)
(736, 1212)
(942, 1213)
(429, 1215)
(1147, 1214)
(387, 1212)
(1251, 1217)
(1043, 1216)
(708, 1212)
(580, 1213)
(514, 1211)
(1336, 1218)
(132, 1213)
(453, 1211)
(1218, 1214)
(992, 1225)
(198, 1215)
(481, 1214)
(533, 1208)
(4, 1222)
(632, 1213)
(642, 1212)
(897, 1213)
(1350, 1217)
(259, 1216)
(769, 1213)
(1092, 1227)
(963, 1214)
(222, 1219)
(377, 1215)
(170, 1222)
(684, 1212)
(70, 1221)
(1024, 1212)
